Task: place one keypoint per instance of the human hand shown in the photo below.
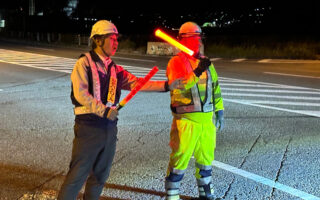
(219, 120)
(177, 84)
(112, 113)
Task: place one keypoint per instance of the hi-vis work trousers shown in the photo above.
(189, 138)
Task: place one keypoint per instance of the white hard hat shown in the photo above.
(189, 29)
(103, 27)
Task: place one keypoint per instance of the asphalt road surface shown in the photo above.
(269, 148)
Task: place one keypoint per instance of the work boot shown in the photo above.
(172, 186)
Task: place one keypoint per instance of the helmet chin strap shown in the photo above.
(101, 48)
(104, 52)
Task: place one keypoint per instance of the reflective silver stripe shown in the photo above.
(208, 106)
(203, 193)
(204, 181)
(172, 185)
(177, 171)
(173, 192)
(196, 106)
(81, 110)
(95, 77)
(176, 197)
(203, 167)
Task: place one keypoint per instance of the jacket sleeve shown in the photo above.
(80, 85)
(218, 101)
(129, 80)
(177, 69)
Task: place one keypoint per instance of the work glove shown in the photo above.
(219, 120)
(176, 84)
(202, 66)
(112, 113)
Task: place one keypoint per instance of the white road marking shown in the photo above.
(270, 91)
(295, 75)
(238, 60)
(265, 181)
(264, 61)
(284, 61)
(214, 59)
(271, 96)
(1, 90)
(284, 103)
(303, 112)
(224, 79)
(261, 86)
(135, 59)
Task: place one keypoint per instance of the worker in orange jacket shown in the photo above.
(193, 109)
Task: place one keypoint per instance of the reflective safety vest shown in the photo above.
(96, 86)
(193, 99)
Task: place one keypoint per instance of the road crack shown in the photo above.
(241, 164)
(284, 157)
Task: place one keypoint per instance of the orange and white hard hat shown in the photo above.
(189, 29)
(103, 27)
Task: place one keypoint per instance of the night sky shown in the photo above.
(269, 16)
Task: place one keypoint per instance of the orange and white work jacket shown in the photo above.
(96, 86)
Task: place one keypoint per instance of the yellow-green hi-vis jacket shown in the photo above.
(201, 95)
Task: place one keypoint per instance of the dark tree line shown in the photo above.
(136, 17)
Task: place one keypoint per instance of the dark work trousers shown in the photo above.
(92, 154)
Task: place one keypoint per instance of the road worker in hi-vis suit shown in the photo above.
(95, 91)
(193, 109)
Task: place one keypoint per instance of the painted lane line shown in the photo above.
(264, 61)
(270, 96)
(1, 90)
(259, 86)
(214, 59)
(223, 79)
(288, 61)
(32, 66)
(294, 75)
(302, 112)
(271, 91)
(134, 59)
(284, 103)
(265, 181)
(238, 60)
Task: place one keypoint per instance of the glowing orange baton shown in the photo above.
(173, 42)
(138, 87)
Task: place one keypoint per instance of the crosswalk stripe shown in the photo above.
(234, 80)
(294, 75)
(285, 103)
(260, 86)
(270, 91)
(270, 96)
(303, 112)
(254, 93)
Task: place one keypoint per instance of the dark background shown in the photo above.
(277, 17)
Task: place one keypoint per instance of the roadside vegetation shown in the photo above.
(276, 47)
(251, 47)
(223, 46)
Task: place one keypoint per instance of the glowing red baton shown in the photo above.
(173, 42)
(138, 87)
